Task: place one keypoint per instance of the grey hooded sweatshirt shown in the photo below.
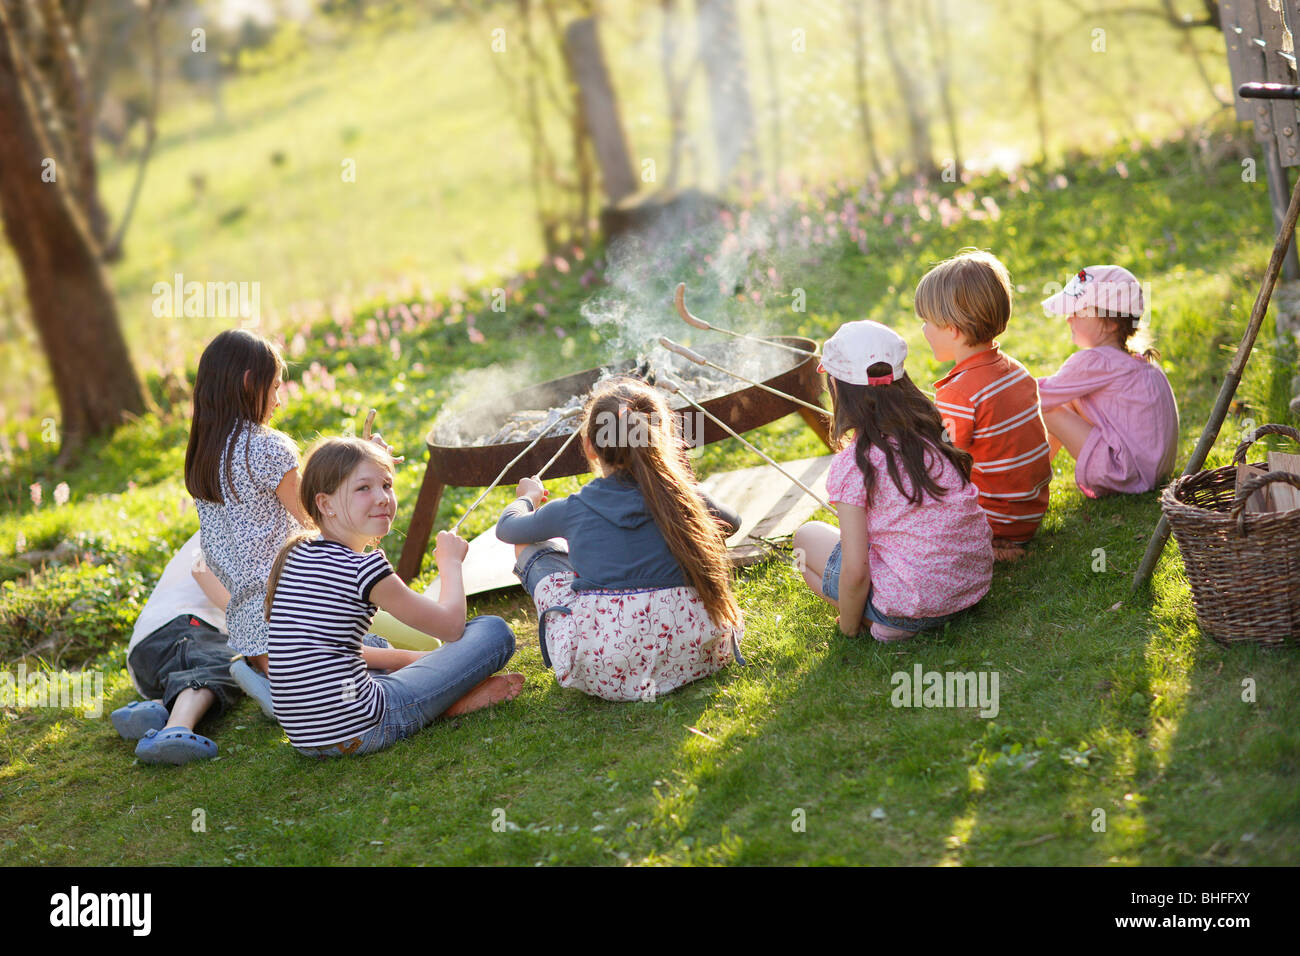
(614, 543)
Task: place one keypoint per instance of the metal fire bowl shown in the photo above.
(470, 466)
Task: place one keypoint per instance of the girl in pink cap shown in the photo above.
(913, 547)
(1109, 406)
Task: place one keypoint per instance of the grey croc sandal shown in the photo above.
(174, 745)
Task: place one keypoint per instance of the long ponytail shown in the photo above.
(632, 430)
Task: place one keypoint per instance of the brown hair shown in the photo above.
(225, 403)
(647, 447)
(326, 467)
(971, 291)
(897, 411)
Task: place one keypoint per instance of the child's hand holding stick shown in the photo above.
(377, 438)
(532, 489)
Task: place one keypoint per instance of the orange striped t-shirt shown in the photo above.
(989, 405)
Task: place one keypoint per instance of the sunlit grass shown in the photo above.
(1108, 702)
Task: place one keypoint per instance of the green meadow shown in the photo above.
(1123, 734)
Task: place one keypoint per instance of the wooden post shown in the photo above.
(1283, 146)
(599, 106)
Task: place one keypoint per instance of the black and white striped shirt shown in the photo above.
(321, 689)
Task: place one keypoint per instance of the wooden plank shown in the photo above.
(1233, 37)
(1252, 59)
(1277, 70)
(770, 506)
(1285, 497)
(487, 566)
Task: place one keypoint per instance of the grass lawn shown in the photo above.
(1107, 703)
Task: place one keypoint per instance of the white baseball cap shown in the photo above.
(856, 346)
(1113, 290)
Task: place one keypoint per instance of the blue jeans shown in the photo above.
(540, 560)
(831, 588)
(416, 694)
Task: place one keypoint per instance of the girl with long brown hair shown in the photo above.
(243, 476)
(640, 601)
(324, 590)
(913, 547)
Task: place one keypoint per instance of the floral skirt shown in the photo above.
(628, 645)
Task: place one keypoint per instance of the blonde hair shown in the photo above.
(656, 461)
(326, 467)
(971, 291)
(1129, 335)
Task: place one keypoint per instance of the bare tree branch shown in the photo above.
(113, 251)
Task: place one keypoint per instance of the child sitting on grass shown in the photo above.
(324, 590)
(639, 601)
(1112, 408)
(179, 662)
(989, 401)
(913, 547)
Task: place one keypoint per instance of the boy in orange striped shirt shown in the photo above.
(988, 402)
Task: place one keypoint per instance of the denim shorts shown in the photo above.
(186, 653)
(539, 561)
(831, 588)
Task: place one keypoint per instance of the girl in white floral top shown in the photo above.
(243, 476)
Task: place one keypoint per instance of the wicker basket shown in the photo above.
(1244, 568)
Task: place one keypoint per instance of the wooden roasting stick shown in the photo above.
(367, 430)
(668, 385)
(699, 359)
(556, 457)
(1230, 381)
(679, 299)
(497, 480)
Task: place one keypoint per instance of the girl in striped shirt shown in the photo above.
(324, 591)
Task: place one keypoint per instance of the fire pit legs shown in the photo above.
(819, 424)
(421, 529)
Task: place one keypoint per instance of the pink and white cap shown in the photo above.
(856, 346)
(1112, 290)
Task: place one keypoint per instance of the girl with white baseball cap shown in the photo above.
(913, 547)
(1110, 406)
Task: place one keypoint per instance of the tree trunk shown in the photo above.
(936, 30)
(918, 120)
(675, 89)
(773, 96)
(858, 28)
(77, 107)
(723, 54)
(71, 304)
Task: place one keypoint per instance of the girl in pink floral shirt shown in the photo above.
(913, 547)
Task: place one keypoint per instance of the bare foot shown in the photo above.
(887, 634)
(1008, 552)
(494, 690)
